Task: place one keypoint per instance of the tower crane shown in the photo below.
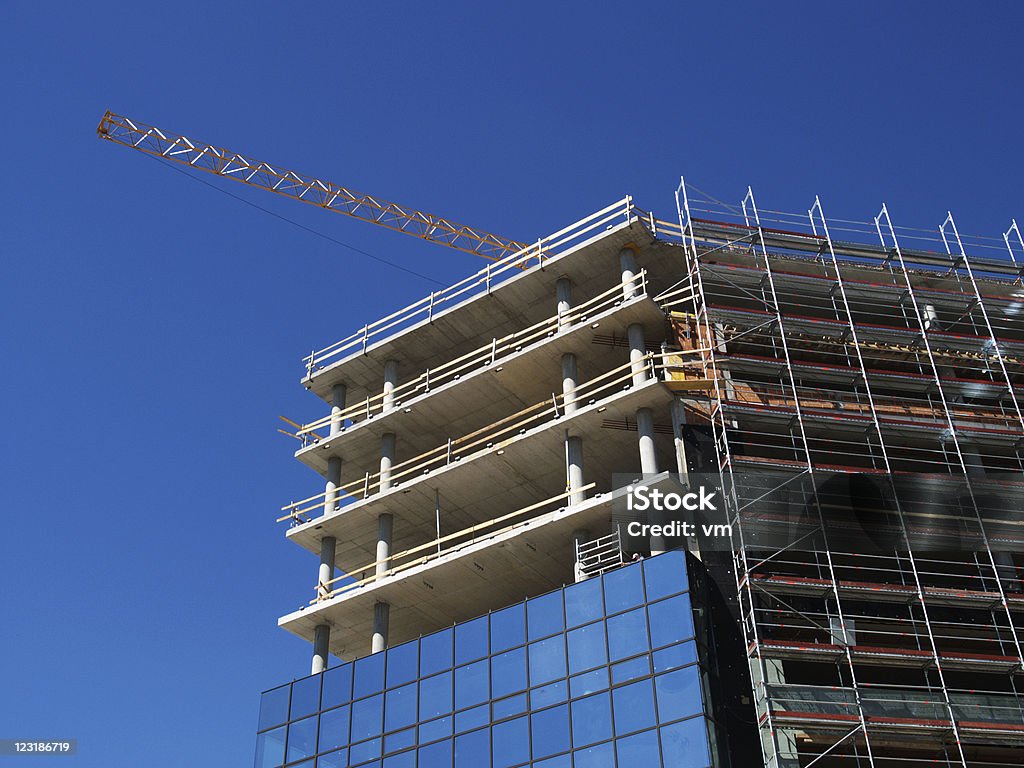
(306, 189)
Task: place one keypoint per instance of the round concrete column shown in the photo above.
(321, 646)
(385, 527)
(645, 438)
(332, 496)
(579, 537)
(574, 469)
(627, 263)
(390, 382)
(338, 394)
(930, 317)
(381, 616)
(387, 459)
(328, 546)
(563, 290)
(569, 379)
(637, 353)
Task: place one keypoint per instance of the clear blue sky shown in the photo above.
(152, 328)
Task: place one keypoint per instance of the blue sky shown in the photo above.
(153, 328)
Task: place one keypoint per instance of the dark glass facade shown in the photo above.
(600, 673)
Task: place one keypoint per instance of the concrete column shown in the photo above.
(563, 290)
(328, 546)
(321, 648)
(930, 316)
(645, 435)
(627, 262)
(579, 536)
(390, 382)
(569, 379)
(332, 497)
(387, 459)
(385, 527)
(381, 614)
(574, 469)
(637, 352)
(338, 394)
(678, 411)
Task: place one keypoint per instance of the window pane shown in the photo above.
(634, 707)
(401, 740)
(302, 739)
(550, 731)
(602, 756)
(337, 686)
(436, 755)
(404, 760)
(471, 684)
(545, 615)
(641, 749)
(471, 640)
(671, 620)
(623, 589)
(436, 695)
(679, 693)
(337, 759)
(587, 647)
(400, 707)
(273, 707)
(401, 666)
(270, 749)
(675, 656)
(665, 575)
(510, 743)
(583, 603)
(508, 673)
(513, 705)
(334, 729)
(627, 634)
(685, 744)
(588, 682)
(369, 675)
(508, 628)
(547, 660)
(471, 719)
(305, 697)
(473, 750)
(591, 720)
(625, 671)
(545, 696)
(436, 652)
(366, 717)
(365, 751)
(437, 729)
(562, 761)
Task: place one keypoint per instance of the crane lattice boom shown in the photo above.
(306, 189)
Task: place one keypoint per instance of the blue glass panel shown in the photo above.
(513, 705)
(367, 717)
(436, 652)
(679, 694)
(641, 749)
(471, 685)
(436, 695)
(368, 676)
(303, 764)
(550, 731)
(588, 682)
(368, 750)
(333, 729)
(471, 640)
(671, 621)
(587, 647)
(623, 589)
(468, 719)
(338, 759)
(473, 750)
(403, 760)
(583, 603)
(627, 634)
(270, 748)
(591, 720)
(625, 671)
(547, 695)
(401, 740)
(675, 656)
(634, 707)
(273, 707)
(400, 707)
(402, 661)
(337, 686)
(562, 761)
(665, 575)
(508, 673)
(685, 744)
(302, 739)
(435, 729)
(508, 628)
(305, 697)
(547, 660)
(601, 756)
(510, 743)
(544, 615)
(437, 755)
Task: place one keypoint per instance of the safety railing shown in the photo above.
(492, 353)
(531, 257)
(442, 546)
(596, 556)
(479, 441)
